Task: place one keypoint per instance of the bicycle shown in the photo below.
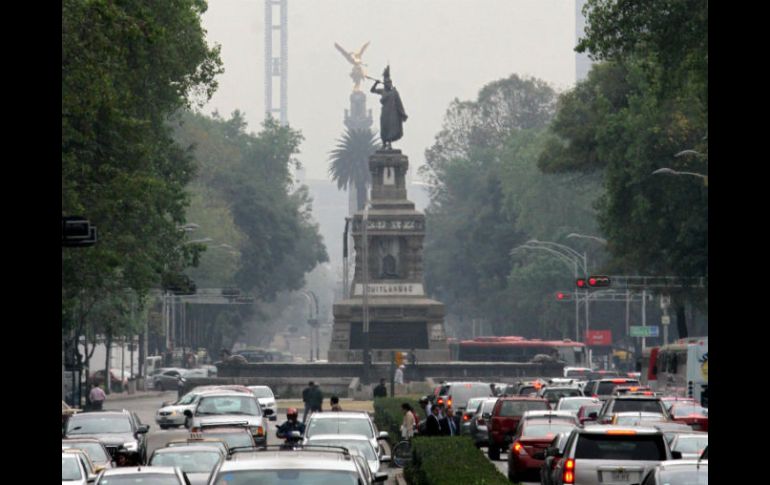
(402, 453)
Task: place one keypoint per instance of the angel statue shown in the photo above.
(357, 74)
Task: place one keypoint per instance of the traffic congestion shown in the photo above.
(587, 427)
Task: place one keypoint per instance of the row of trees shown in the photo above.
(139, 164)
(521, 163)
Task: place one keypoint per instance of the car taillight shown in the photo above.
(440, 401)
(518, 449)
(569, 471)
(449, 401)
(466, 417)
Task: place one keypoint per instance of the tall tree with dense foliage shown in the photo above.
(646, 103)
(126, 68)
(349, 162)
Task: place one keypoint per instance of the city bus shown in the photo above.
(517, 349)
(681, 369)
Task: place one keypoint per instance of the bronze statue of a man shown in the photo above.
(393, 115)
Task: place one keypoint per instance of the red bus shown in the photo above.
(517, 349)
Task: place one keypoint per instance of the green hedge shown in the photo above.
(450, 460)
(388, 415)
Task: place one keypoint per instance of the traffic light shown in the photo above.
(598, 281)
(581, 283)
(562, 296)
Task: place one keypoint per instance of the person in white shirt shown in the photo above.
(399, 378)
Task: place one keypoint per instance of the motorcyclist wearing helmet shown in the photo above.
(291, 424)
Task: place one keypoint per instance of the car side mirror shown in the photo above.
(383, 435)
(188, 413)
(676, 455)
(552, 451)
(91, 479)
(385, 459)
(267, 412)
(143, 429)
(486, 415)
(593, 415)
(276, 396)
(380, 477)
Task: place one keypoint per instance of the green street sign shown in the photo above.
(640, 331)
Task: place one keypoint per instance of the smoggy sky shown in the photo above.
(438, 50)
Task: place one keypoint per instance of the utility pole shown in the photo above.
(276, 67)
(365, 306)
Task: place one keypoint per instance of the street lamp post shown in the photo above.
(365, 301)
(669, 171)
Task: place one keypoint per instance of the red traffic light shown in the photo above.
(597, 281)
(581, 283)
(562, 296)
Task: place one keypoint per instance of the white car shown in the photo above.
(573, 404)
(266, 399)
(345, 423)
(76, 469)
(356, 442)
(172, 414)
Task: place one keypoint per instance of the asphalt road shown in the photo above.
(146, 406)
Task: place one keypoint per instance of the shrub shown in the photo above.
(388, 415)
(450, 460)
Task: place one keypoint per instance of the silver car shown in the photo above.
(691, 446)
(479, 430)
(230, 408)
(76, 469)
(266, 399)
(359, 443)
(336, 466)
(156, 475)
(197, 462)
(573, 404)
(358, 423)
(611, 455)
(694, 472)
(470, 411)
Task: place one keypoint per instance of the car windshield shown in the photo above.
(189, 461)
(286, 477)
(364, 447)
(691, 444)
(523, 391)
(187, 399)
(95, 451)
(545, 430)
(70, 470)
(262, 391)
(232, 439)
(517, 408)
(620, 447)
(461, 393)
(140, 479)
(556, 394)
(340, 426)
(220, 405)
(488, 406)
(577, 373)
(637, 405)
(692, 476)
(573, 404)
(98, 424)
(680, 411)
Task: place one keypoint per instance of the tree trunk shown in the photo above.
(681, 321)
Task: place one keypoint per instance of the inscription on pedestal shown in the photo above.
(393, 289)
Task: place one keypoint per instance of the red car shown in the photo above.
(695, 416)
(533, 437)
(505, 419)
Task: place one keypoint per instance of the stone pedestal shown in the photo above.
(401, 317)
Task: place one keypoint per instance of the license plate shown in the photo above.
(620, 476)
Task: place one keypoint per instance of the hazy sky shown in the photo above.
(438, 50)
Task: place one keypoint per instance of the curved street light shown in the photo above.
(669, 171)
(584, 236)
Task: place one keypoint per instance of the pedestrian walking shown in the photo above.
(380, 390)
(315, 398)
(306, 399)
(433, 423)
(399, 377)
(408, 424)
(97, 397)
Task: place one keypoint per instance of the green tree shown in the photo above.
(126, 68)
(646, 103)
(349, 162)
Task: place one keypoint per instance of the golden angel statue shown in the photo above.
(354, 57)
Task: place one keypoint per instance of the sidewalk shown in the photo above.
(124, 396)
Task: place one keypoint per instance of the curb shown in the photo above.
(127, 397)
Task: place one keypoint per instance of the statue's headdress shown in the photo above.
(386, 74)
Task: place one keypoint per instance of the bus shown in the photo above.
(681, 369)
(517, 349)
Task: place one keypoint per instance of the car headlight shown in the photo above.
(131, 446)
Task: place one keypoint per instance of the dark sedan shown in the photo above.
(121, 432)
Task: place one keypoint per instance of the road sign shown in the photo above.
(640, 331)
(665, 320)
(599, 337)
